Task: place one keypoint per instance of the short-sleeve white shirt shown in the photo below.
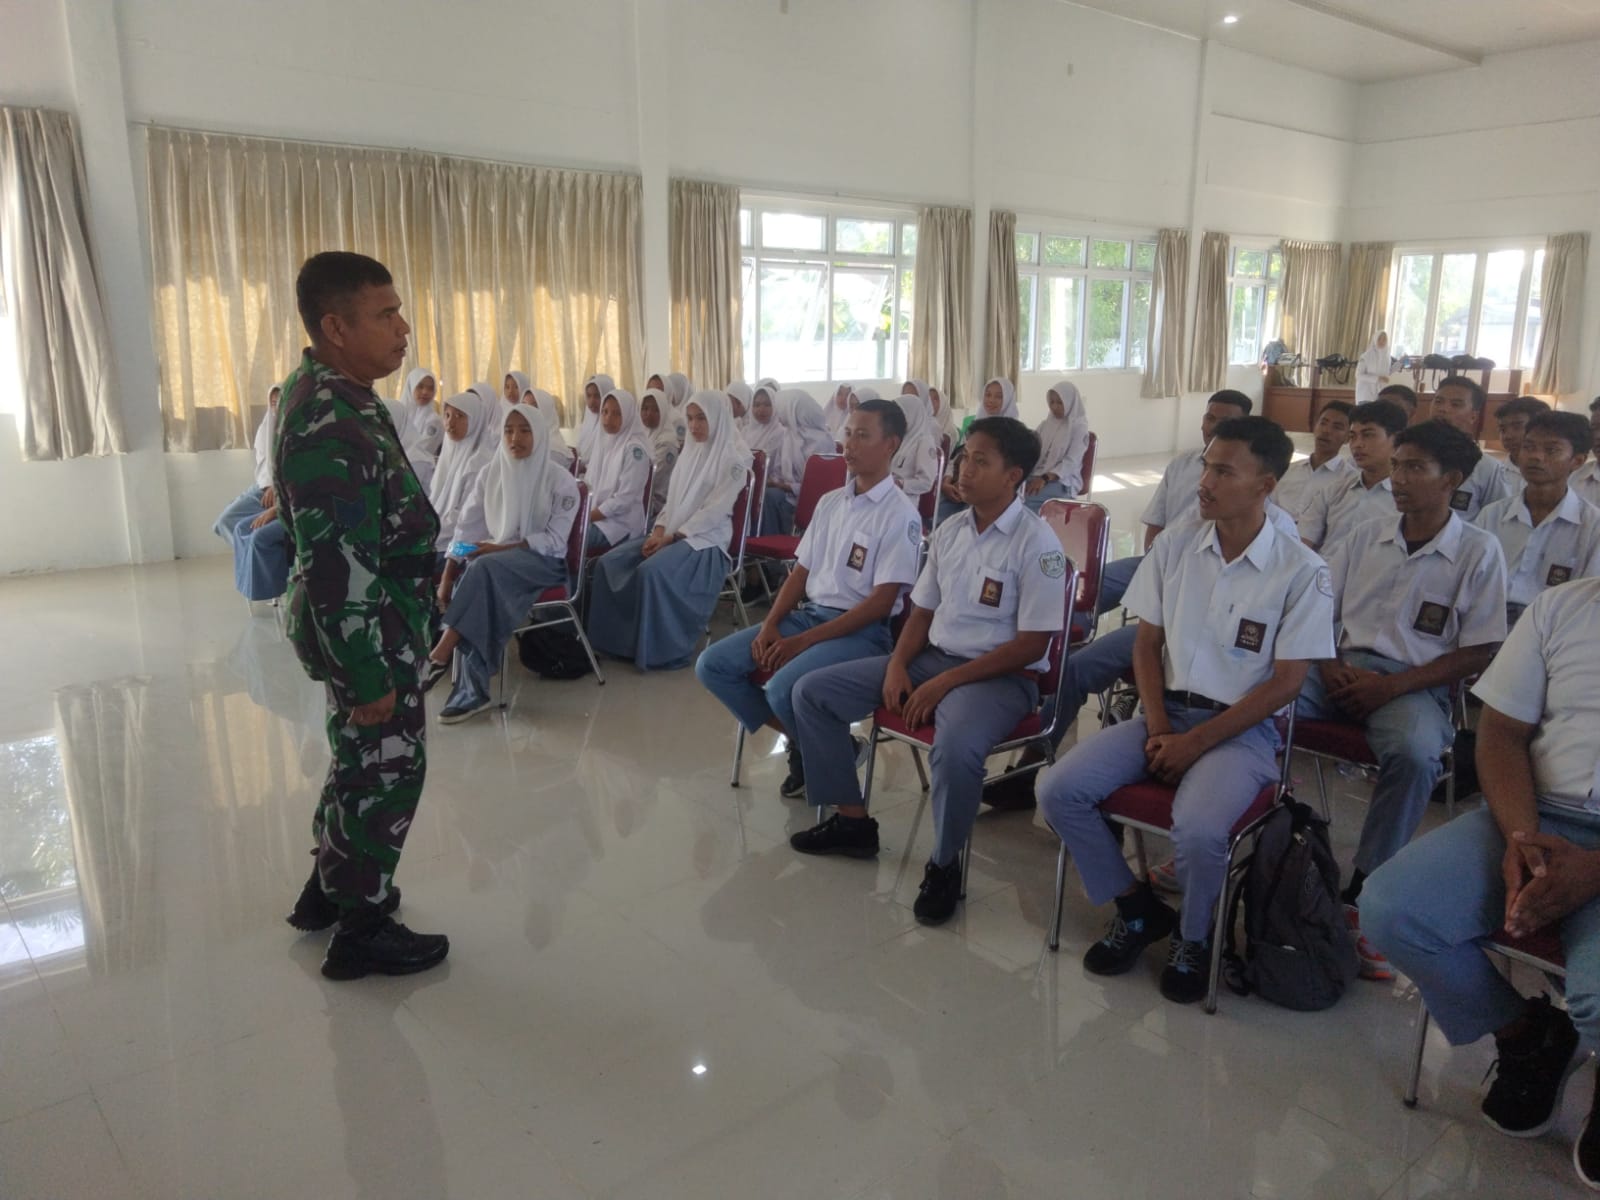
(1226, 623)
(1302, 483)
(984, 588)
(1586, 482)
(1490, 480)
(1548, 675)
(860, 541)
(1339, 509)
(1563, 547)
(1178, 491)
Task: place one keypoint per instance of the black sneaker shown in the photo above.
(1012, 792)
(793, 786)
(314, 911)
(1525, 1097)
(382, 947)
(465, 710)
(1187, 975)
(432, 672)
(1125, 938)
(853, 837)
(939, 894)
(1123, 705)
(1586, 1150)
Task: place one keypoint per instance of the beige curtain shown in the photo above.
(1208, 355)
(706, 282)
(1312, 274)
(1003, 313)
(1169, 292)
(941, 326)
(52, 290)
(1365, 297)
(1560, 309)
(500, 267)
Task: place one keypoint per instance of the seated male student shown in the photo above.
(1232, 612)
(1587, 480)
(856, 557)
(1420, 603)
(1548, 533)
(1459, 401)
(1527, 861)
(982, 615)
(1365, 492)
(1399, 393)
(1511, 423)
(1304, 481)
(1175, 494)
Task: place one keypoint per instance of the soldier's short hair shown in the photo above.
(328, 280)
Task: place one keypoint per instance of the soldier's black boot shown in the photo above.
(314, 912)
(369, 943)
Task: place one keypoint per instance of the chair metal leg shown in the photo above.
(1450, 790)
(738, 753)
(738, 604)
(1140, 856)
(1322, 790)
(1410, 1097)
(966, 863)
(1219, 929)
(922, 774)
(583, 638)
(1061, 893)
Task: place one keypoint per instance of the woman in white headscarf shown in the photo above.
(250, 524)
(417, 422)
(653, 596)
(563, 455)
(999, 400)
(811, 430)
(594, 391)
(666, 442)
(1063, 438)
(838, 411)
(1372, 368)
(471, 425)
(860, 395)
(739, 398)
(943, 415)
(514, 385)
(766, 432)
(529, 504)
(916, 464)
(617, 475)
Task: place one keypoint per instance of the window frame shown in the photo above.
(1270, 312)
(1482, 249)
(831, 260)
(1030, 274)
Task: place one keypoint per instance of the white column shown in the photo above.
(654, 154)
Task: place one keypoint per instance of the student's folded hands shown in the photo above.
(1169, 755)
(1570, 879)
(1362, 693)
(919, 707)
(771, 650)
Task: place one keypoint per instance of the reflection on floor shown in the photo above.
(648, 995)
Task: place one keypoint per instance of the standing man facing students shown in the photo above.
(857, 555)
(1460, 401)
(360, 596)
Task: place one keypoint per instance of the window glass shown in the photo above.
(793, 231)
(1060, 305)
(1063, 251)
(852, 236)
(1107, 300)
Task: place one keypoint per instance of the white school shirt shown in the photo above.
(1302, 483)
(920, 474)
(623, 503)
(1177, 497)
(1564, 546)
(1414, 608)
(472, 526)
(1227, 623)
(1548, 675)
(1341, 508)
(986, 588)
(1586, 482)
(860, 541)
(1490, 480)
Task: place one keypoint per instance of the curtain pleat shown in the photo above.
(1208, 356)
(1312, 273)
(706, 282)
(1003, 313)
(52, 290)
(1566, 256)
(941, 332)
(499, 266)
(1365, 296)
(1169, 290)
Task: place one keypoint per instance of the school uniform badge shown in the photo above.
(858, 557)
(1431, 618)
(568, 503)
(914, 532)
(1325, 581)
(991, 592)
(1461, 500)
(1054, 564)
(1252, 635)
(1557, 576)
(638, 453)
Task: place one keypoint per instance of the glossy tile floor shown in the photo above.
(648, 994)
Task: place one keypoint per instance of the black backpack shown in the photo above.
(1299, 952)
(553, 652)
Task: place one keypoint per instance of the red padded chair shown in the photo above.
(1346, 741)
(1146, 807)
(1084, 531)
(1086, 471)
(742, 509)
(560, 600)
(824, 473)
(1542, 951)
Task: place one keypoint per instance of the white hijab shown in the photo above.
(459, 461)
(547, 404)
(811, 428)
(523, 385)
(265, 432)
(863, 394)
(742, 390)
(518, 492)
(920, 432)
(1057, 433)
(667, 437)
(772, 438)
(1371, 368)
(1008, 393)
(589, 426)
(676, 386)
(420, 427)
(704, 467)
(943, 417)
(614, 450)
(838, 410)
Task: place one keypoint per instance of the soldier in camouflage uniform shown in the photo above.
(360, 597)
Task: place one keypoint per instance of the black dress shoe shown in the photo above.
(939, 894)
(382, 947)
(314, 911)
(793, 786)
(853, 837)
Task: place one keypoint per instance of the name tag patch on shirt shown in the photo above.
(858, 557)
(1252, 635)
(1054, 564)
(1431, 618)
(1461, 500)
(1558, 575)
(993, 589)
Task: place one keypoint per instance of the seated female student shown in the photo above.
(250, 524)
(666, 443)
(944, 417)
(525, 505)
(999, 400)
(811, 432)
(838, 412)
(617, 475)
(916, 466)
(516, 383)
(739, 396)
(418, 424)
(653, 596)
(469, 442)
(1063, 438)
(563, 455)
(767, 433)
(594, 391)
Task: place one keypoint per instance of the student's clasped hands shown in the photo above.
(771, 650)
(1546, 878)
(1356, 692)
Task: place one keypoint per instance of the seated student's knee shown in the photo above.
(1386, 908)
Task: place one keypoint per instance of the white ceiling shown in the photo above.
(1368, 40)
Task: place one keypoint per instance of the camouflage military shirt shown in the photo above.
(362, 531)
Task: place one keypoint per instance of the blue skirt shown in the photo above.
(777, 512)
(260, 556)
(654, 610)
(493, 597)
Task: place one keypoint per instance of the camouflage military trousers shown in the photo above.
(371, 794)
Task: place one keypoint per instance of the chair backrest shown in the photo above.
(649, 489)
(577, 542)
(928, 502)
(944, 445)
(758, 489)
(1050, 677)
(1086, 470)
(742, 506)
(824, 473)
(1084, 530)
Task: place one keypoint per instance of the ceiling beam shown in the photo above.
(1333, 11)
